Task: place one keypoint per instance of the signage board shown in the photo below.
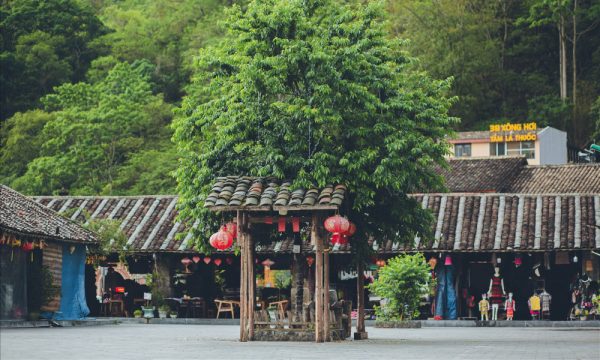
(513, 132)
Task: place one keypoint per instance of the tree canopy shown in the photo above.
(317, 93)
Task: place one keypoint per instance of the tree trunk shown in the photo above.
(563, 58)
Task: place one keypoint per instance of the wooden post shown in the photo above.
(251, 281)
(360, 333)
(326, 295)
(243, 274)
(318, 279)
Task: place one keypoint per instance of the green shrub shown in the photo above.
(402, 283)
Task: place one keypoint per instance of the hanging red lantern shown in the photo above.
(296, 224)
(268, 263)
(335, 238)
(281, 224)
(221, 240)
(229, 260)
(337, 224)
(231, 228)
(343, 239)
(196, 259)
(206, 260)
(351, 230)
(186, 262)
(310, 260)
(27, 246)
(218, 261)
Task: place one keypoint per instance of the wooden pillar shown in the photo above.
(243, 274)
(251, 281)
(360, 333)
(318, 279)
(326, 295)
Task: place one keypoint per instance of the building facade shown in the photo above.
(546, 146)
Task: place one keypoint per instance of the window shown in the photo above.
(498, 149)
(517, 148)
(461, 150)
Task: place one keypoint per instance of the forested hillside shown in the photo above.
(91, 87)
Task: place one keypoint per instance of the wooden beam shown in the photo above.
(305, 208)
(251, 280)
(316, 238)
(326, 324)
(242, 243)
(227, 208)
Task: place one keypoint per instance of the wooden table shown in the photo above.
(226, 306)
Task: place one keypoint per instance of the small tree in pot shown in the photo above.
(402, 283)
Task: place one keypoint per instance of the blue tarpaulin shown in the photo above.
(73, 305)
(445, 303)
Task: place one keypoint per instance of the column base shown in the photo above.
(361, 335)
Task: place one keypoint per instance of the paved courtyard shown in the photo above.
(136, 341)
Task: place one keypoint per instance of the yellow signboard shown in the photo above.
(513, 132)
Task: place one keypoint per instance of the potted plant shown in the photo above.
(173, 314)
(163, 310)
(138, 313)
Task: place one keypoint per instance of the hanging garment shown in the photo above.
(534, 303)
(496, 295)
(445, 306)
(545, 299)
(509, 305)
(440, 298)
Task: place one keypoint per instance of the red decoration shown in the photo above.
(351, 230)
(229, 260)
(218, 261)
(269, 220)
(336, 238)
(268, 263)
(196, 259)
(186, 262)
(380, 263)
(27, 246)
(206, 260)
(281, 224)
(120, 289)
(231, 228)
(296, 224)
(310, 260)
(337, 224)
(221, 240)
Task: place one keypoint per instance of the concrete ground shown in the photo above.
(137, 341)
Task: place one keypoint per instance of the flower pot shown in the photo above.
(173, 316)
(162, 314)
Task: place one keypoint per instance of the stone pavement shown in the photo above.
(136, 341)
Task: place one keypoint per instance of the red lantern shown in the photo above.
(27, 246)
(268, 263)
(218, 261)
(351, 229)
(337, 224)
(231, 228)
(335, 238)
(196, 259)
(206, 260)
(221, 240)
(310, 260)
(186, 262)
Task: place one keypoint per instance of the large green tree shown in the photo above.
(44, 44)
(315, 91)
(95, 128)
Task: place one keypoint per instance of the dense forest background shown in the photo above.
(90, 88)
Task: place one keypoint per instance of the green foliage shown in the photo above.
(94, 130)
(402, 282)
(44, 43)
(112, 238)
(20, 142)
(315, 92)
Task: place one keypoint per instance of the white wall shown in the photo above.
(553, 147)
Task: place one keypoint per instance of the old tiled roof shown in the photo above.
(462, 222)
(148, 222)
(22, 216)
(233, 192)
(571, 178)
(481, 174)
(507, 222)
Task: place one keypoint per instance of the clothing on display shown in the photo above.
(509, 306)
(545, 299)
(484, 307)
(534, 305)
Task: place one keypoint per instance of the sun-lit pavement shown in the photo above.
(134, 341)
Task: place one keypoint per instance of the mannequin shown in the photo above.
(509, 306)
(484, 307)
(545, 299)
(534, 306)
(496, 292)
